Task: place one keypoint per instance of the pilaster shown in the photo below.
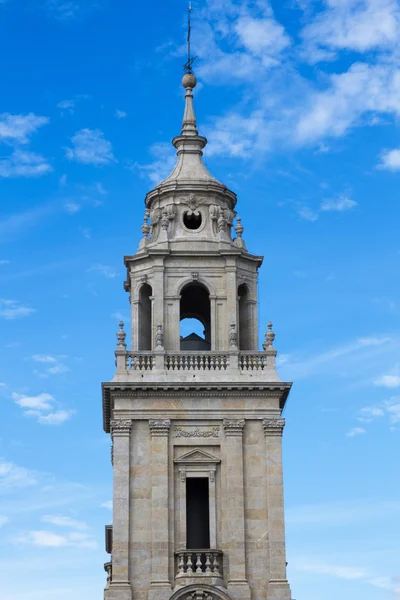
(278, 586)
(238, 586)
(160, 586)
(119, 587)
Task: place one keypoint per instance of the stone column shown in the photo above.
(160, 587)
(234, 505)
(278, 587)
(120, 586)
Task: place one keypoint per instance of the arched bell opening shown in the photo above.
(195, 310)
(145, 325)
(244, 318)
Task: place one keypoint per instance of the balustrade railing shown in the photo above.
(194, 361)
(191, 563)
(198, 361)
(252, 361)
(140, 361)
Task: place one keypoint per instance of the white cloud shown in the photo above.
(121, 114)
(162, 165)
(56, 418)
(12, 476)
(4, 262)
(118, 315)
(355, 431)
(389, 381)
(361, 90)
(392, 407)
(390, 160)
(108, 504)
(3, 520)
(41, 402)
(67, 105)
(19, 128)
(262, 37)
(41, 407)
(63, 521)
(341, 203)
(72, 207)
(358, 25)
(12, 309)
(44, 358)
(105, 270)
(49, 539)
(24, 164)
(91, 148)
(306, 213)
(54, 366)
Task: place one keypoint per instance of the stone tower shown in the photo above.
(195, 421)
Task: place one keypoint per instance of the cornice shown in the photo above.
(273, 427)
(111, 390)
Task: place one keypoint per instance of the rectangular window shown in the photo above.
(197, 513)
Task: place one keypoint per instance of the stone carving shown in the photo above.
(121, 426)
(164, 220)
(146, 227)
(273, 426)
(159, 337)
(234, 426)
(180, 432)
(239, 241)
(192, 202)
(195, 276)
(182, 476)
(200, 594)
(233, 338)
(222, 219)
(159, 426)
(269, 337)
(121, 335)
(212, 476)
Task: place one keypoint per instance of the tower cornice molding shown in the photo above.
(120, 427)
(159, 427)
(234, 426)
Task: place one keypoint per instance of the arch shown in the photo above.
(244, 317)
(199, 280)
(145, 317)
(195, 304)
(201, 591)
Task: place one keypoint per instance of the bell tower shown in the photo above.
(195, 420)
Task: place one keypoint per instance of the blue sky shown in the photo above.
(300, 101)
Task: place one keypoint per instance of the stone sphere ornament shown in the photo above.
(189, 81)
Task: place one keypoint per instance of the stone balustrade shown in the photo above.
(253, 361)
(193, 563)
(195, 361)
(198, 361)
(140, 361)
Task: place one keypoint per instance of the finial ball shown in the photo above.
(189, 81)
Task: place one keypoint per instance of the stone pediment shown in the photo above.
(197, 455)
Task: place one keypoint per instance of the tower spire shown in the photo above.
(189, 82)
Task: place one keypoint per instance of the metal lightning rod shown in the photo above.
(188, 66)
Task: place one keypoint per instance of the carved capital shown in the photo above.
(234, 426)
(273, 426)
(121, 427)
(159, 427)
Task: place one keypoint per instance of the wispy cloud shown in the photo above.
(49, 539)
(24, 164)
(67, 106)
(121, 114)
(53, 365)
(42, 407)
(390, 160)
(355, 431)
(339, 204)
(90, 147)
(107, 504)
(13, 476)
(388, 381)
(161, 166)
(13, 309)
(64, 521)
(72, 207)
(19, 128)
(105, 270)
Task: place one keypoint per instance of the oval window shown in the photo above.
(192, 220)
